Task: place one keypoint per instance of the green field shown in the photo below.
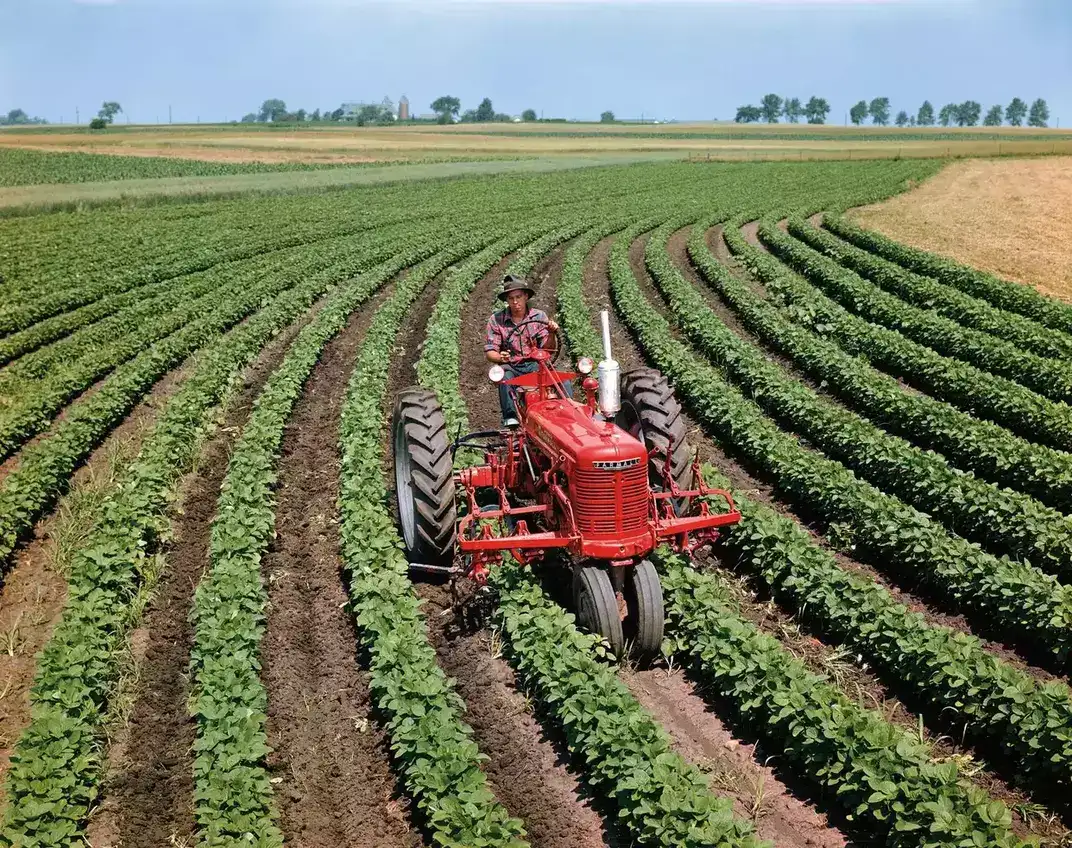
(896, 429)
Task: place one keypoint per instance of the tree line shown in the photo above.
(773, 107)
(18, 117)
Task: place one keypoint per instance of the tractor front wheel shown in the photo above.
(424, 477)
(597, 605)
(643, 624)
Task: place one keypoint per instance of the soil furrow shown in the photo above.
(330, 758)
(148, 785)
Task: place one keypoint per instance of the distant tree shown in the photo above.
(911, 120)
(272, 110)
(1015, 112)
(98, 123)
(485, 111)
(925, 116)
(468, 116)
(817, 109)
(109, 110)
(337, 114)
(771, 106)
(606, 117)
(249, 118)
(446, 108)
(967, 113)
(748, 114)
(17, 116)
(879, 110)
(371, 113)
(993, 117)
(948, 114)
(299, 115)
(315, 116)
(792, 109)
(529, 115)
(387, 107)
(1040, 114)
(902, 118)
(858, 113)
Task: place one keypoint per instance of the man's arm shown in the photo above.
(493, 341)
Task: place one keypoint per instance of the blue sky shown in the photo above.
(218, 59)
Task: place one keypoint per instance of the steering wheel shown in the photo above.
(554, 333)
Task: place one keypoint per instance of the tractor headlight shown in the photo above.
(496, 373)
(585, 365)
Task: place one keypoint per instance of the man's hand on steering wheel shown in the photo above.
(551, 325)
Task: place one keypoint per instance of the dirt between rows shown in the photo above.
(331, 759)
(148, 785)
(896, 704)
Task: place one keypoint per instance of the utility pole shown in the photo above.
(169, 113)
(76, 119)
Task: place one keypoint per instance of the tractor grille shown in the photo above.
(597, 496)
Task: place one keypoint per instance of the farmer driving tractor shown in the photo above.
(511, 332)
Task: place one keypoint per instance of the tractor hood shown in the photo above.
(562, 427)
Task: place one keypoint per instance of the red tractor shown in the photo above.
(601, 483)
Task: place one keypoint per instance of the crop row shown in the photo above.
(45, 467)
(1050, 378)
(1003, 294)
(232, 792)
(878, 774)
(1004, 521)
(1019, 600)
(928, 294)
(55, 766)
(986, 449)
(438, 761)
(881, 776)
(974, 390)
(661, 799)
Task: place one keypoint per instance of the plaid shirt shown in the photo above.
(531, 335)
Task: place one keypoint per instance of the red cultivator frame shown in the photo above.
(603, 483)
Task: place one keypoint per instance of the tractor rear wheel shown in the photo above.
(644, 610)
(597, 605)
(424, 477)
(651, 413)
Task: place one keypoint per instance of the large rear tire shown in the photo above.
(651, 413)
(424, 477)
(644, 610)
(597, 605)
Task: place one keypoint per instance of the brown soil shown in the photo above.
(331, 760)
(148, 787)
(734, 768)
(524, 768)
(750, 231)
(1005, 216)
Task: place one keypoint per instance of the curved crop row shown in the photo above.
(1050, 378)
(972, 389)
(927, 294)
(661, 799)
(45, 468)
(1004, 294)
(232, 792)
(880, 774)
(55, 765)
(439, 762)
(1004, 521)
(984, 448)
(1027, 605)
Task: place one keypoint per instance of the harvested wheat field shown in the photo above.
(1011, 217)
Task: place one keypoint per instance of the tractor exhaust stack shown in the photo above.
(609, 374)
